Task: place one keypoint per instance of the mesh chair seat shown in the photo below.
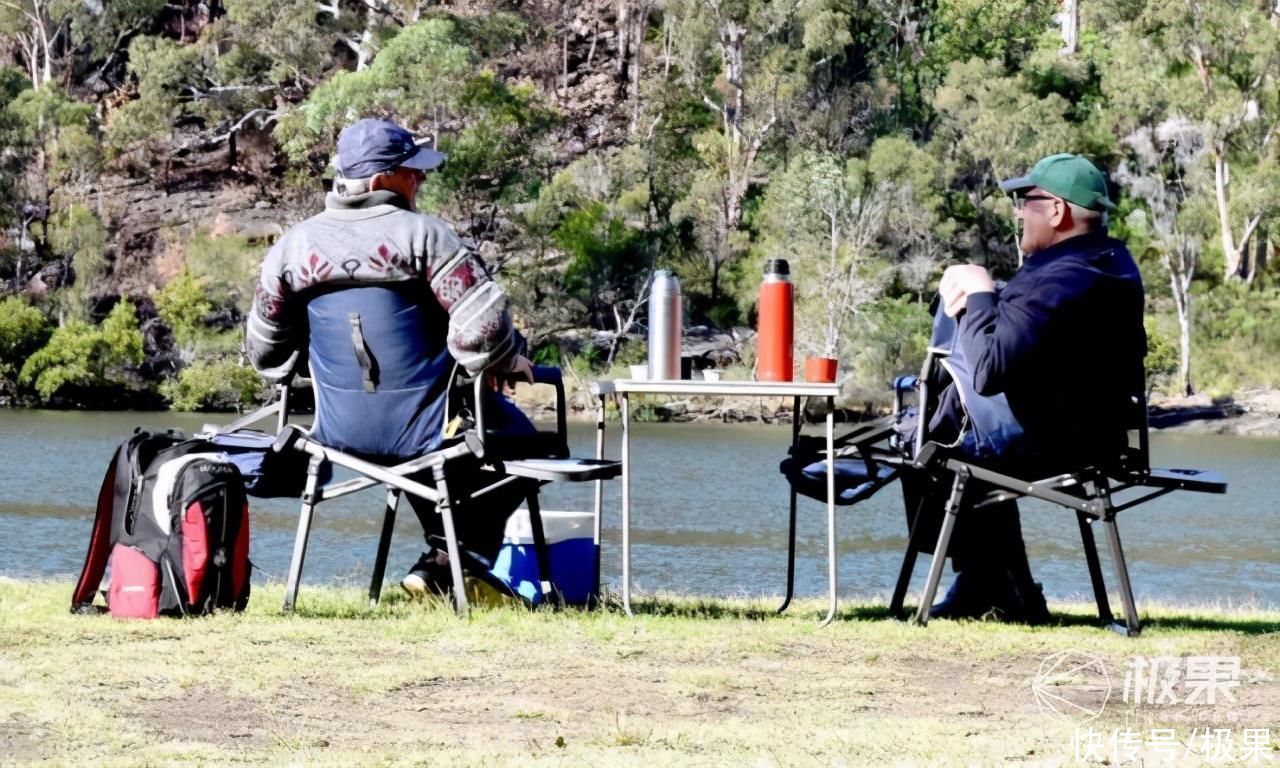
(856, 479)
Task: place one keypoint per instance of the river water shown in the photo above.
(710, 517)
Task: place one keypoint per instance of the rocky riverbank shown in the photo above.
(1253, 413)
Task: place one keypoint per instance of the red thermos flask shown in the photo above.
(777, 323)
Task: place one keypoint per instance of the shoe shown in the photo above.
(968, 598)
(979, 594)
(1030, 607)
(429, 576)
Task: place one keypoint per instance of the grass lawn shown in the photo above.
(687, 682)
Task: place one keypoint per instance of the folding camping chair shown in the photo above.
(535, 460)
(531, 461)
(249, 449)
(1089, 490)
(866, 461)
(869, 458)
(383, 384)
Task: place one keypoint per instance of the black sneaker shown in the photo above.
(1029, 605)
(429, 576)
(968, 598)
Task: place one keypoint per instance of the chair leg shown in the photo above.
(542, 552)
(1095, 568)
(940, 551)
(791, 531)
(300, 539)
(908, 564)
(384, 546)
(444, 506)
(791, 556)
(1122, 575)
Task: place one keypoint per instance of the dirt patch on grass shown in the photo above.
(525, 703)
(203, 714)
(508, 687)
(20, 738)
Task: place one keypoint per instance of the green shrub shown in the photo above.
(75, 232)
(225, 267)
(182, 305)
(23, 330)
(79, 354)
(1162, 358)
(1235, 339)
(890, 339)
(222, 383)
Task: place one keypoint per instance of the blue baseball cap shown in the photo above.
(370, 146)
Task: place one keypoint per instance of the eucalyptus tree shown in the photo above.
(737, 57)
(39, 28)
(1160, 169)
(1216, 64)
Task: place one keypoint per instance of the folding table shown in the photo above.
(623, 389)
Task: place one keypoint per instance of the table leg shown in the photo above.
(626, 504)
(831, 509)
(791, 538)
(599, 501)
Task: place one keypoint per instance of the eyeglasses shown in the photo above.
(1020, 201)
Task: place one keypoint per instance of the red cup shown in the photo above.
(820, 370)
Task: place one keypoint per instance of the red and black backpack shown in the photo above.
(171, 533)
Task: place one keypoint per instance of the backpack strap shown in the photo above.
(95, 560)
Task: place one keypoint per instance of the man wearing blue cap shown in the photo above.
(1063, 342)
(379, 303)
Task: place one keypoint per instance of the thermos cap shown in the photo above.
(665, 282)
(777, 267)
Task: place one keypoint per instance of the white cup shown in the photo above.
(639, 372)
(711, 374)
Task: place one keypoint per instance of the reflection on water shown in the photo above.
(710, 516)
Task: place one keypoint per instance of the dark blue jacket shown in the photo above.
(1064, 343)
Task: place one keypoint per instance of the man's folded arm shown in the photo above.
(270, 339)
(998, 335)
(481, 335)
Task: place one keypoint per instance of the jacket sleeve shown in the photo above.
(481, 335)
(272, 339)
(998, 334)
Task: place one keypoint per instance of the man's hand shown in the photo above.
(521, 370)
(959, 282)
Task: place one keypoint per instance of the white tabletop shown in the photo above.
(741, 388)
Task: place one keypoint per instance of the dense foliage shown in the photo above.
(591, 142)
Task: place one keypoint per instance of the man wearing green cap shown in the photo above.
(1063, 342)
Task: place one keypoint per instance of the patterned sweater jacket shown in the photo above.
(374, 238)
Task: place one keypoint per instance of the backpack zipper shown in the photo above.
(222, 544)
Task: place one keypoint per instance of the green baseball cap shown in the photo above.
(1070, 177)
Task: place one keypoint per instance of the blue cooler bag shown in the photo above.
(571, 550)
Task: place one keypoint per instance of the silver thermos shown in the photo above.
(666, 326)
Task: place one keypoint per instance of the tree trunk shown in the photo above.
(1069, 19)
(1181, 266)
(624, 39)
(639, 23)
(47, 45)
(1221, 181)
(1184, 347)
